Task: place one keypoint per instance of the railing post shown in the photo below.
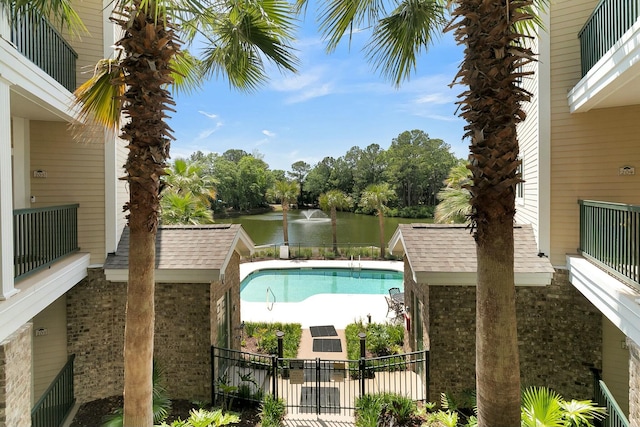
(362, 364)
(274, 376)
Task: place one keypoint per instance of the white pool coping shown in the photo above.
(322, 309)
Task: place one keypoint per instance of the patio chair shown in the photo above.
(393, 306)
(393, 291)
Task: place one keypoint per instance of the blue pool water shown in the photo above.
(295, 285)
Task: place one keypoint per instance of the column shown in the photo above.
(6, 196)
(15, 377)
(634, 382)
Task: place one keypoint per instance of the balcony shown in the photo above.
(41, 236)
(606, 25)
(610, 237)
(37, 40)
(610, 57)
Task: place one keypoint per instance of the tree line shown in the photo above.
(414, 166)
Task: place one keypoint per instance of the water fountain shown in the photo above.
(314, 215)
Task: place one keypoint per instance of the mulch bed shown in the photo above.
(91, 414)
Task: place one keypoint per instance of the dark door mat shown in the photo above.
(329, 400)
(331, 345)
(323, 331)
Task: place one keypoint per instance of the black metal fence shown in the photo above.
(610, 236)
(608, 22)
(43, 235)
(603, 397)
(56, 402)
(39, 42)
(316, 386)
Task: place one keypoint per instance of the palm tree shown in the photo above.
(454, 206)
(184, 176)
(331, 201)
(493, 33)
(188, 194)
(543, 407)
(239, 35)
(375, 197)
(286, 192)
(184, 208)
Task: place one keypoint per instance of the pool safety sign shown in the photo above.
(296, 371)
(339, 372)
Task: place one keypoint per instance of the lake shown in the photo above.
(315, 230)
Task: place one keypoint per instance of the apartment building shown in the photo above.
(581, 160)
(60, 200)
(63, 269)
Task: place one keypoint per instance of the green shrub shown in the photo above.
(204, 418)
(268, 341)
(272, 411)
(384, 409)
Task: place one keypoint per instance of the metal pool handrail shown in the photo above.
(267, 298)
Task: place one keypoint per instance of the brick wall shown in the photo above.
(559, 333)
(95, 324)
(634, 383)
(15, 386)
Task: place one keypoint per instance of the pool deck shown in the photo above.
(324, 309)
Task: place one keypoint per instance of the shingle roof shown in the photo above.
(446, 254)
(205, 248)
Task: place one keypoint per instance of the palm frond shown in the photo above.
(240, 36)
(399, 38)
(100, 98)
(582, 412)
(187, 73)
(541, 408)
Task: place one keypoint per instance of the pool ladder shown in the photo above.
(269, 291)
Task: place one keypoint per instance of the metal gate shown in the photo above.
(317, 386)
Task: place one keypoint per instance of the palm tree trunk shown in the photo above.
(149, 44)
(492, 108)
(140, 316)
(285, 224)
(381, 224)
(334, 229)
(497, 360)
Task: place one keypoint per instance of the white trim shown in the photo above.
(6, 196)
(35, 84)
(543, 222)
(609, 74)
(470, 279)
(41, 289)
(168, 276)
(618, 302)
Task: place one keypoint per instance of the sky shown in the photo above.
(336, 101)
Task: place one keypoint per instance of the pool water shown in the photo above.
(298, 284)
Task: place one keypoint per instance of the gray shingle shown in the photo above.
(183, 247)
(443, 248)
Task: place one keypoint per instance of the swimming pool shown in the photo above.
(298, 284)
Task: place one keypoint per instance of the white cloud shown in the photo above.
(205, 134)
(310, 93)
(209, 115)
(435, 98)
(268, 133)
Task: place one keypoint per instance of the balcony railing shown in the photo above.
(603, 397)
(610, 236)
(42, 236)
(56, 402)
(36, 39)
(608, 22)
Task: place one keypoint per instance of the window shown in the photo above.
(520, 185)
